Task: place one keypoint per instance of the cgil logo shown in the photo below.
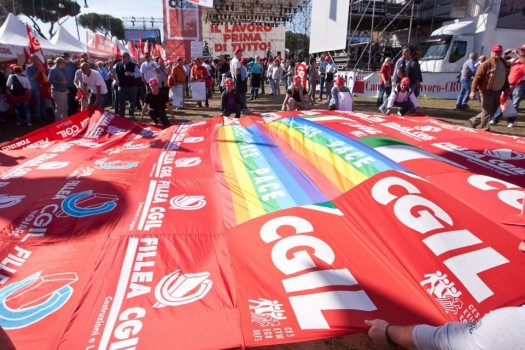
(184, 202)
(88, 203)
(179, 288)
(15, 309)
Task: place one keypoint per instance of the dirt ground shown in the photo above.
(438, 108)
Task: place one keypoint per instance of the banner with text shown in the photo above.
(253, 39)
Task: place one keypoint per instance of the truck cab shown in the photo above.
(446, 53)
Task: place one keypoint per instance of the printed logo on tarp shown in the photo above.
(87, 203)
(7, 201)
(412, 132)
(53, 165)
(444, 291)
(179, 288)
(500, 160)
(428, 128)
(504, 153)
(32, 299)
(194, 139)
(117, 165)
(184, 202)
(187, 162)
(265, 312)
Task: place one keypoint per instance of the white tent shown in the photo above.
(65, 42)
(13, 32)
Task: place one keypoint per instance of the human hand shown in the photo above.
(377, 331)
(472, 96)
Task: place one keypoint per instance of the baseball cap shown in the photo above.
(16, 69)
(198, 59)
(237, 50)
(153, 81)
(405, 81)
(497, 48)
(228, 82)
(179, 59)
(244, 60)
(339, 81)
(66, 54)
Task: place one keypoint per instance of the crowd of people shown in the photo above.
(64, 86)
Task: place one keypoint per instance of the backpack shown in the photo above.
(17, 88)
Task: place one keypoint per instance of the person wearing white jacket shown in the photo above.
(402, 97)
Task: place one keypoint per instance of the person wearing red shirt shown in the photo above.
(200, 73)
(385, 80)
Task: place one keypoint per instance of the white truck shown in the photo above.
(449, 46)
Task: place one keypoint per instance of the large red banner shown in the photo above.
(266, 230)
(182, 27)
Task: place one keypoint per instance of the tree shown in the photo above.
(298, 44)
(298, 30)
(45, 11)
(105, 24)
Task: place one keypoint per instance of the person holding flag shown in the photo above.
(36, 72)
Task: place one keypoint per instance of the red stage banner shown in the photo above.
(183, 26)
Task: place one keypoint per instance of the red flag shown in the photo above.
(118, 56)
(132, 50)
(34, 44)
(140, 46)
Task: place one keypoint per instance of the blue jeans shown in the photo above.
(382, 91)
(22, 109)
(517, 95)
(130, 94)
(464, 93)
(321, 86)
(40, 108)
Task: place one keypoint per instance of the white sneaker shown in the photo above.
(383, 110)
(510, 125)
(492, 122)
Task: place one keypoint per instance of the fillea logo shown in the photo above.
(7, 201)
(187, 162)
(184, 202)
(504, 153)
(179, 288)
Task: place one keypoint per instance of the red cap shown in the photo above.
(16, 69)
(198, 59)
(405, 81)
(339, 81)
(244, 60)
(296, 79)
(327, 58)
(496, 48)
(237, 50)
(228, 82)
(153, 81)
(179, 59)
